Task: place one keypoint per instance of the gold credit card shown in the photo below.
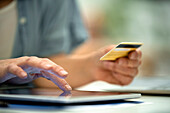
(121, 50)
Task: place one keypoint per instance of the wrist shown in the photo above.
(91, 65)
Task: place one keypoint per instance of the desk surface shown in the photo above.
(149, 104)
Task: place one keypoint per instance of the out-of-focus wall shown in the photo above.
(147, 21)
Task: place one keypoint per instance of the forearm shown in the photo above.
(78, 68)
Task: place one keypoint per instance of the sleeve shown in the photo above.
(62, 28)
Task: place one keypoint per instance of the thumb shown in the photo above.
(104, 50)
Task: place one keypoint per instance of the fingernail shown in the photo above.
(48, 65)
(68, 87)
(24, 74)
(64, 72)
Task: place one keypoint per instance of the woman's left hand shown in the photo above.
(120, 72)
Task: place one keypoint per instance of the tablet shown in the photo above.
(56, 96)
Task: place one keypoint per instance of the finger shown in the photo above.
(115, 67)
(125, 70)
(127, 62)
(66, 94)
(45, 63)
(61, 83)
(108, 65)
(107, 76)
(114, 80)
(59, 71)
(123, 79)
(135, 55)
(35, 75)
(16, 70)
(111, 79)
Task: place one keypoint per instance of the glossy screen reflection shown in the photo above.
(57, 92)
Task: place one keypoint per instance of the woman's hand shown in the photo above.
(25, 69)
(121, 72)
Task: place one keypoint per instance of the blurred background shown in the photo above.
(147, 21)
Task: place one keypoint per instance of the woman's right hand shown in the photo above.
(25, 69)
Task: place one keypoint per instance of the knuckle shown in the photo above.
(24, 57)
(133, 63)
(116, 68)
(123, 61)
(137, 63)
(136, 72)
(133, 72)
(58, 68)
(127, 81)
(30, 59)
(45, 59)
(10, 67)
(33, 57)
(110, 65)
(130, 71)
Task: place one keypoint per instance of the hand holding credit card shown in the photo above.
(121, 50)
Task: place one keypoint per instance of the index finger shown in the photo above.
(61, 83)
